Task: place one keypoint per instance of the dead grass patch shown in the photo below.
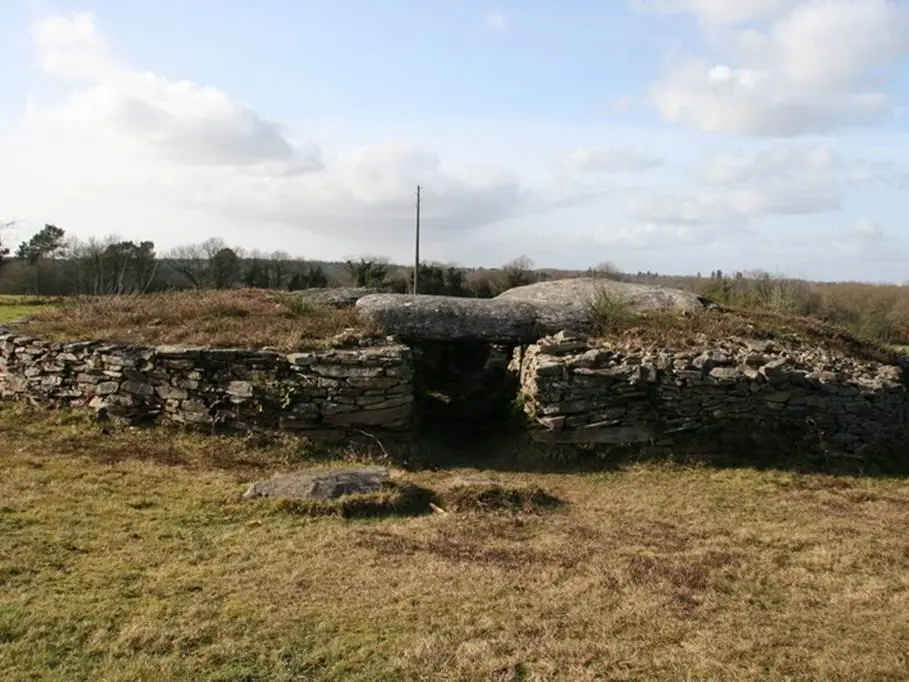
(238, 318)
(493, 496)
(126, 556)
(443, 547)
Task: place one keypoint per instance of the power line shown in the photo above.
(416, 262)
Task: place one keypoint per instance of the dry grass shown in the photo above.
(494, 496)
(130, 555)
(672, 330)
(241, 318)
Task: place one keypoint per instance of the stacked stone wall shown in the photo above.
(754, 394)
(331, 391)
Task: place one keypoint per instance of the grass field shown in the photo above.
(129, 555)
(15, 307)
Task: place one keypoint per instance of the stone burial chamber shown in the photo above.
(469, 362)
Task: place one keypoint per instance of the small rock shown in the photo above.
(240, 389)
(725, 373)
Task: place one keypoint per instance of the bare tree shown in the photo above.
(605, 270)
(194, 261)
(519, 272)
(279, 267)
(211, 246)
(190, 261)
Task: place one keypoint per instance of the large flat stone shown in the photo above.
(447, 318)
(322, 485)
(566, 303)
(341, 297)
(519, 316)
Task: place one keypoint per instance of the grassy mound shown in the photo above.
(239, 318)
(492, 496)
(613, 319)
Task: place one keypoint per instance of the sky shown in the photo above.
(675, 136)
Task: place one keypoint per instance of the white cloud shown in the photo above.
(810, 170)
(68, 47)
(124, 132)
(776, 181)
(834, 44)
(361, 191)
(607, 160)
(865, 240)
(779, 161)
(180, 121)
(496, 20)
(681, 209)
(144, 154)
(808, 70)
(651, 236)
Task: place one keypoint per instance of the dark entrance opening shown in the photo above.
(464, 390)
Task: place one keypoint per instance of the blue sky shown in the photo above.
(669, 135)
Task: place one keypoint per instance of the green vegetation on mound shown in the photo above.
(130, 555)
(239, 318)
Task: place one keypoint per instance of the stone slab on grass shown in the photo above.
(321, 485)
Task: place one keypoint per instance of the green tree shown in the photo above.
(438, 280)
(45, 244)
(367, 271)
(111, 266)
(309, 277)
(482, 286)
(225, 268)
(130, 267)
(255, 276)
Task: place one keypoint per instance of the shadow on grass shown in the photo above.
(508, 447)
(504, 446)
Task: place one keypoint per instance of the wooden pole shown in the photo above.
(416, 262)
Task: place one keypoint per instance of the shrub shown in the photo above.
(609, 313)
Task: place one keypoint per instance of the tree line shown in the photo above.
(51, 263)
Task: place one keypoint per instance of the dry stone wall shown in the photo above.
(764, 396)
(325, 392)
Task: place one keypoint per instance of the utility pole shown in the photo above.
(416, 262)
